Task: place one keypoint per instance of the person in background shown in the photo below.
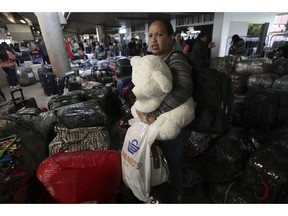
(178, 42)
(282, 52)
(17, 53)
(237, 46)
(200, 54)
(68, 48)
(7, 64)
(160, 42)
(43, 52)
(132, 47)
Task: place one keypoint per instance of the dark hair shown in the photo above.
(3, 54)
(235, 38)
(201, 34)
(166, 24)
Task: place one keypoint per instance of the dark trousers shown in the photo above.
(46, 59)
(173, 151)
(12, 78)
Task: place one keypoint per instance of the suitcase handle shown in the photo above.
(14, 99)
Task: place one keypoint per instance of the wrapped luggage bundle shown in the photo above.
(26, 76)
(123, 67)
(281, 82)
(22, 148)
(83, 114)
(223, 64)
(71, 97)
(92, 176)
(280, 66)
(80, 139)
(266, 172)
(260, 81)
(253, 66)
(224, 160)
(239, 82)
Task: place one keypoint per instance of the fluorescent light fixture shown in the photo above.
(122, 31)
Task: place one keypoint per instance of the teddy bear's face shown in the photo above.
(151, 76)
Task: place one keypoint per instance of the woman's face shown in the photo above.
(158, 39)
(178, 37)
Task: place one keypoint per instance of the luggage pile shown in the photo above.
(246, 163)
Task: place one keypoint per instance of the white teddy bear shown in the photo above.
(153, 81)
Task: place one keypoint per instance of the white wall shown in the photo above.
(237, 20)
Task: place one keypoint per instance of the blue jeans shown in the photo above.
(173, 151)
(12, 78)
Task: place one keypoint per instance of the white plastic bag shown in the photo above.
(136, 159)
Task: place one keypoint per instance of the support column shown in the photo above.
(54, 41)
(102, 34)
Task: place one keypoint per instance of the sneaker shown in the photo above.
(152, 200)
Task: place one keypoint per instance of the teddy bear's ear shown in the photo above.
(134, 60)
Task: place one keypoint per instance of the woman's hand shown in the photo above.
(211, 45)
(147, 118)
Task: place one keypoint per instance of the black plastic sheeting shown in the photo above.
(261, 81)
(83, 114)
(226, 158)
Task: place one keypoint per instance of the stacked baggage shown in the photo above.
(26, 76)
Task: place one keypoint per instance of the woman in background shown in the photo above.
(7, 64)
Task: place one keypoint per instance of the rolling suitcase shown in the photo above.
(17, 103)
(48, 83)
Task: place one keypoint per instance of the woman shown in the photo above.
(160, 42)
(201, 51)
(237, 46)
(178, 45)
(7, 64)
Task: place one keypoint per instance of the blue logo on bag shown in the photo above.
(133, 146)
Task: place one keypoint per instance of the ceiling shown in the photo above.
(85, 22)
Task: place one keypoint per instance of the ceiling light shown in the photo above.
(23, 21)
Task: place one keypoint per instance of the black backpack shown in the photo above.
(212, 92)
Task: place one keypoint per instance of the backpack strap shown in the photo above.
(171, 53)
(167, 60)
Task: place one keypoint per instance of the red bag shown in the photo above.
(82, 176)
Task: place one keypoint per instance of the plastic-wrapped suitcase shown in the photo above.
(83, 114)
(253, 66)
(281, 82)
(63, 100)
(26, 76)
(103, 64)
(112, 65)
(35, 70)
(92, 176)
(264, 80)
(266, 172)
(17, 103)
(123, 67)
(266, 108)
